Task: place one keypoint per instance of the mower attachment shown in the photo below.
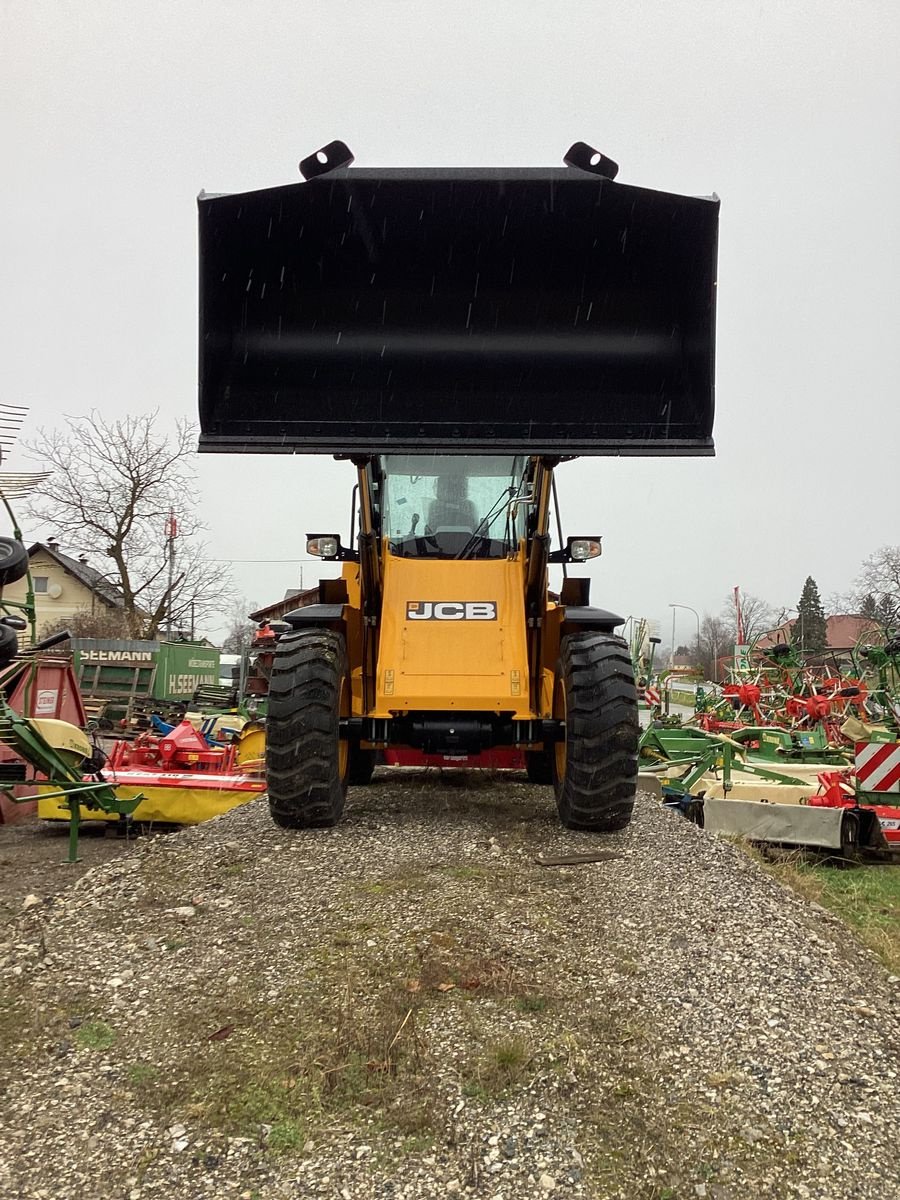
(543, 311)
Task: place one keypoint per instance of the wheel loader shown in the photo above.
(455, 335)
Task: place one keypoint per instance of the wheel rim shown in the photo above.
(559, 712)
(343, 744)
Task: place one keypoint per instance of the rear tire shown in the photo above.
(595, 767)
(306, 760)
(539, 766)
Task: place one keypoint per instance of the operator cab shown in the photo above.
(455, 506)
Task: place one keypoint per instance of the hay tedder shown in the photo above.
(455, 334)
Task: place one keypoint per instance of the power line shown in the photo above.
(264, 560)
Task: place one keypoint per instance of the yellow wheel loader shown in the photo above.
(455, 334)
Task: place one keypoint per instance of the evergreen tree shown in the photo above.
(869, 607)
(810, 631)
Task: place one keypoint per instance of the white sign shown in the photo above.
(46, 701)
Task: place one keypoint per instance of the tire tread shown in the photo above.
(598, 789)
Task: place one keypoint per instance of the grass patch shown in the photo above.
(141, 1076)
(286, 1137)
(532, 1003)
(404, 879)
(867, 898)
(501, 1065)
(468, 874)
(349, 1045)
(345, 1048)
(95, 1035)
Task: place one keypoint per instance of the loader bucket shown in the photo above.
(545, 311)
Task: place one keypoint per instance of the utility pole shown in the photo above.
(171, 535)
(739, 623)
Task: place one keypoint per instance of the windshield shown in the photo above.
(455, 506)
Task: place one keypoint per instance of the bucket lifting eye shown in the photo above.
(586, 158)
(336, 154)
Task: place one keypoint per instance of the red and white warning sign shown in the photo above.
(46, 701)
(878, 766)
(651, 696)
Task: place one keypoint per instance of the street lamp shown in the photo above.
(697, 617)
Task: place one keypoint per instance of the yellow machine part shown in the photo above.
(453, 637)
(164, 805)
(222, 721)
(251, 749)
(68, 740)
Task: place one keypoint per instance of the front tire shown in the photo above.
(307, 761)
(595, 766)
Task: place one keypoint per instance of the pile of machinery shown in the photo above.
(454, 335)
(792, 752)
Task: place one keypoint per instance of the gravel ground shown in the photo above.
(410, 1006)
(33, 859)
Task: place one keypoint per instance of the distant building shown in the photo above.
(293, 598)
(64, 586)
(842, 631)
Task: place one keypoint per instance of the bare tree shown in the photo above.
(876, 591)
(240, 628)
(757, 617)
(716, 639)
(104, 623)
(112, 488)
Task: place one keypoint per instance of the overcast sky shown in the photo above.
(115, 115)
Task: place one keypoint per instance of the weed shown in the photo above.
(417, 1144)
(532, 1003)
(141, 1075)
(95, 1035)
(173, 944)
(405, 879)
(286, 1137)
(468, 874)
(501, 1065)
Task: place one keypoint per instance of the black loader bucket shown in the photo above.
(546, 311)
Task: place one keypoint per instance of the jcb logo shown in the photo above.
(451, 610)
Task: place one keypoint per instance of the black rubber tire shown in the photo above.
(362, 766)
(9, 645)
(597, 786)
(13, 561)
(539, 766)
(306, 782)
